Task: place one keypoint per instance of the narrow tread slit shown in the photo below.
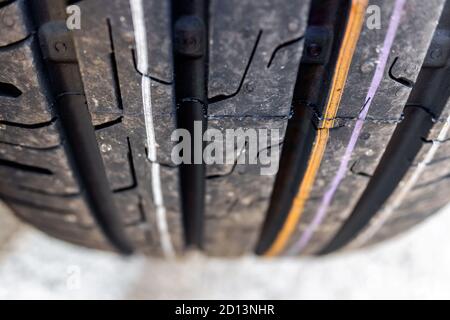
(33, 205)
(29, 126)
(281, 46)
(108, 124)
(24, 167)
(305, 134)
(9, 90)
(113, 61)
(132, 169)
(222, 97)
(160, 81)
(18, 145)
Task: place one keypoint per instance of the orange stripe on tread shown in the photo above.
(351, 36)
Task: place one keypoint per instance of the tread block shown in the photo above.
(129, 204)
(251, 85)
(244, 35)
(95, 50)
(234, 211)
(47, 170)
(72, 206)
(61, 229)
(40, 137)
(116, 157)
(20, 68)
(13, 22)
(232, 147)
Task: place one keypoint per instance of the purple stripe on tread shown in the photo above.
(343, 167)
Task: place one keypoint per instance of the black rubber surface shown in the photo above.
(74, 139)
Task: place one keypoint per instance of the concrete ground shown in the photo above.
(415, 265)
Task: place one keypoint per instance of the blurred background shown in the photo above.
(412, 266)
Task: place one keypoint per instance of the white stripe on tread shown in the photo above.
(137, 12)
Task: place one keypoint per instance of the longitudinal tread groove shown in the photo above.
(303, 126)
(190, 23)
